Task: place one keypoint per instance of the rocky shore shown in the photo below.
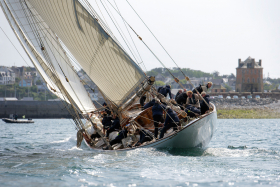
(247, 108)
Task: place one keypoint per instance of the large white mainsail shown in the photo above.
(52, 62)
(105, 62)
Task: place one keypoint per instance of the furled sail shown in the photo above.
(105, 62)
(47, 54)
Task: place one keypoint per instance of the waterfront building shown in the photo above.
(218, 88)
(7, 76)
(249, 76)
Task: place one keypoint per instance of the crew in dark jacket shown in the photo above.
(157, 115)
(142, 100)
(106, 121)
(171, 120)
(182, 98)
(203, 106)
(166, 90)
(149, 104)
(178, 93)
(122, 134)
(192, 111)
(201, 89)
(107, 109)
(96, 135)
(145, 136)
(115, 126)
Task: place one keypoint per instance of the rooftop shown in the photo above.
(249, 63)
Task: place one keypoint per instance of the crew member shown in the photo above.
(192, 104)
(145, 136)
(203, 88)
(122, 134)
(142, 100)
(157, 115)
(178, 93)
(107, 109)
(166, 90)
(171, 120)
(106, 121)
(149, 104)
(182, 98)
(115, 125)
(203, 106)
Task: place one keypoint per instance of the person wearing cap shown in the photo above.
(192, 104)
(203, 88)
(171, 120)
(166, 90)
(157, 115)
(203, 106)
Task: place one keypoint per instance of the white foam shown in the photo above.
(62, 141)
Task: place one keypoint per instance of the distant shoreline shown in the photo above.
(248, 114)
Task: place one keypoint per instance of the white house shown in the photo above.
(7, 75)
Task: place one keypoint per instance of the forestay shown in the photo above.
(106, 63)
(46, 53)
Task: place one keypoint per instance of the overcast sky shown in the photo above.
(207, 35)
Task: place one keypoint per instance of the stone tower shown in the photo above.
(249, 76)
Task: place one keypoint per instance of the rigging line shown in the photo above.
(127, 41)
(186, 77)
(104, 26)
(57, 61)
(114, 57)
(128, 25)
(131, 38)
(19, 18)
(155, 37)
(15, 22)
(25, 61)
(48, 57)
(118, 30)
(8, 19)
(15, 47)
(106, 58)
(149, 48)
(101, 13)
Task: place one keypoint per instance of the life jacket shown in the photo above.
(193, 101)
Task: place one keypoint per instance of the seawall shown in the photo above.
(34, 109)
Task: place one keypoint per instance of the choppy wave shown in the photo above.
(238, 155)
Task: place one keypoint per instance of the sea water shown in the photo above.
(241, 153)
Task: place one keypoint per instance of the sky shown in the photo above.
(206, 35)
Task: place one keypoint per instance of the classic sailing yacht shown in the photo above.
(55, 33)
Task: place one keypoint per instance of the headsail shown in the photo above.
(106, 63)
(47, 54)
